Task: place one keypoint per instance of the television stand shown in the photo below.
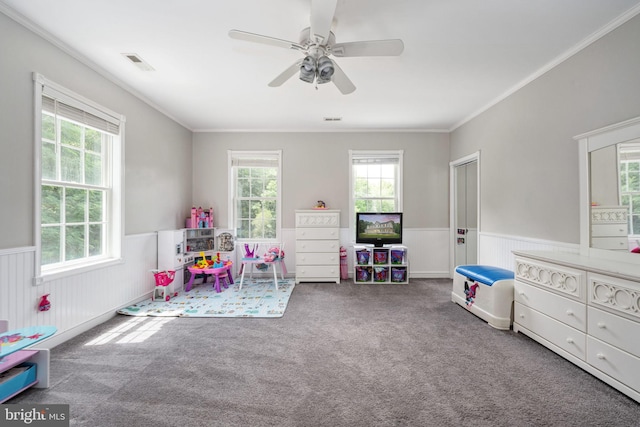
(387, 264)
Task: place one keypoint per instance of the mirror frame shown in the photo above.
(626, 131)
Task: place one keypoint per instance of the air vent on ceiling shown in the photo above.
(332, 119)
(138, 62)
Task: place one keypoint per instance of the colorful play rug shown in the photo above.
(258, 298)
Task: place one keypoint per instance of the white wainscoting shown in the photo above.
(496, 250)
(428, 250)
(79, 302)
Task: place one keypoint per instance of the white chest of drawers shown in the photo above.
(318, 245)
(585, 309)
(609, 228)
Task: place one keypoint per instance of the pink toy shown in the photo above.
(250, 253)
(273, 253)
(163, 281)
(44, 305)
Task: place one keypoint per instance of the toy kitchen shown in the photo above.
(180, 249)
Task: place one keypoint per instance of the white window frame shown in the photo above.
(398, 155)
(115, 206)
(250, 157)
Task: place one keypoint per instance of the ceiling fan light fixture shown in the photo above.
(325, 69)
(308, 69)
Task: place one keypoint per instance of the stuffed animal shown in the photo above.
(273, 253)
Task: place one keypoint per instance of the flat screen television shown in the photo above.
(379, 228)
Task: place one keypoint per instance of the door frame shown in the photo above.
(453, 206)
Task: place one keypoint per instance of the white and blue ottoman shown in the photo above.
(486, 292)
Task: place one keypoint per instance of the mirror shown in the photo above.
(609, 174)
(614, 192)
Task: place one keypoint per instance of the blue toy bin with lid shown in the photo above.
(485, 291)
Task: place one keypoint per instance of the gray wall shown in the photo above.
(529, 160)
(316, 167)
(157, 150)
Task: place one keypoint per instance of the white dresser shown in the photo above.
(609, 227)
(585, 309)
(318, 245)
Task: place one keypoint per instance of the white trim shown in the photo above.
(20, 250)
(615, 23)
(317, 130)
(473, 157)
(231, 186)
(115, 163)
(62, 273)
(399, 186)
(624, 131)
(29, 25)
(69, 97)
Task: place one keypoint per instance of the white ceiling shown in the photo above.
(460, 56)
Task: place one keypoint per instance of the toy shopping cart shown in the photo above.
(163, 289)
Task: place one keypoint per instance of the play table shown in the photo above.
(225, 271)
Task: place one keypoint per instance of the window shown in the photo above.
(255, 188)
(376, 181)
(78, 148)
(629, 155)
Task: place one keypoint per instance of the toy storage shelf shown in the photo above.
(36, 374)
(385, 265)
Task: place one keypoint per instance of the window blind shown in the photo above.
(79, 115)
(376, 158)
(629, 151)
(265, 161)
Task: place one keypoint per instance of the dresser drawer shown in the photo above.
(609, 230)
(566, 310)
(317, 272)
(322, 258)
(332, 246)
(317, 233)
(554, 277)
(318, 219)
(614, 330)
(567, 338)
(614, 295)
(614, 362)
(615, 243)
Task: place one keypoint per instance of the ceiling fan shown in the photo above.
(317, 43)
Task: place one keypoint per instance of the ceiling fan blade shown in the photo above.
(341, 80)
(257, 38)
(393, 47)
(286, 74)
(322, 12)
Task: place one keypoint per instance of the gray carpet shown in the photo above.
(342, 355)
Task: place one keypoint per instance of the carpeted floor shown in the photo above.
(343, 355)
(257, 298)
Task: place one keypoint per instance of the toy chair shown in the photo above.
(262, 256)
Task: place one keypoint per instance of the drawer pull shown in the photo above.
(600, 356)
(570, 340)
(521, 293)
(601, 325)
(521, 316)
(569, 312)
